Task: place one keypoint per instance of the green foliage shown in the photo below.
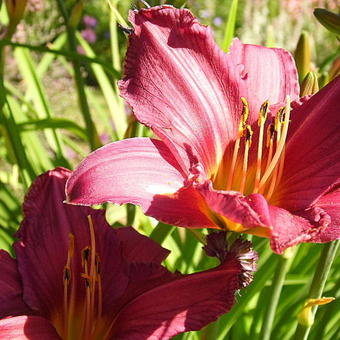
(57, 104)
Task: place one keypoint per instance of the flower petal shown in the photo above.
(44, 243)
(312, 161)
(248, 211)
(179, 303)
(265, 74)
(11, 302)
(129, 171)
(27, 327)
(173, 81)
(138, 248)
(188, 91)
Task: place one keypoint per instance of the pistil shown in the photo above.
(247, 144)
(261, 122)
(241, 129)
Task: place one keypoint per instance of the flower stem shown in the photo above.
(318, 284)
(276, 288)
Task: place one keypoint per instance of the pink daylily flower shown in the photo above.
(237, 148)
(75, 277)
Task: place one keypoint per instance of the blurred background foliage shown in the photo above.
(59, 100)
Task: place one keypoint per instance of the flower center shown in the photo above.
(82, 313)
(256, 167)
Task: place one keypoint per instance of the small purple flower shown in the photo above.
(89, 35)
(90, 21)
(218, 21)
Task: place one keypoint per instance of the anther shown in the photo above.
(248, 133)
(67, 274)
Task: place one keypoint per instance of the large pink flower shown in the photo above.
(75, 277)
(232, 153)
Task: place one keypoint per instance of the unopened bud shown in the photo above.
(303, 55)
(323, 79)
(328, 19)
(15, 10)
(306, 316)
(76, 13)
(334, 71)
(309, 84)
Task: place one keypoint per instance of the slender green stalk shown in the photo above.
(94, 140)
(276, 288)
(319, 280)
(230, 27)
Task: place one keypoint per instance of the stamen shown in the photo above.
(99, 280)
(261, 122)
(281, 144)
(67, 278)
(241, 128)
(93, 267)
(247, 144)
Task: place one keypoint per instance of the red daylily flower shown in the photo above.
(75, 277)
(232, 153)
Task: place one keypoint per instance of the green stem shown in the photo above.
(94, 140)
(318, 284)
(276, 288)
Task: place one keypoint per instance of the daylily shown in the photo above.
(75, 277)
(237, 148)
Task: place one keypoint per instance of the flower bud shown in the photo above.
(306, 316)
(302, 55)
(309, 84)
(328, 19)
(15, 10)
(76, 13)
(334, 71)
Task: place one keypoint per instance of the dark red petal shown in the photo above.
(44, 244)
(139, 248)
(312, 161)
(11, 302)
(177, 303)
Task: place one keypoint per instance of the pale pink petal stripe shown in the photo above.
(141, 171)
(27, 328)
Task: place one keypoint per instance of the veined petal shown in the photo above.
(312, 161)
(176, 81)
(27, 328)
(179, 303)
(44, 244)
(289, 229)
(188, 91)
(129, 171)
(11, 302)
(265, 74)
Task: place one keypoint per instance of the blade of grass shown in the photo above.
(110, 93)
(94, 140)
(230, 27)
